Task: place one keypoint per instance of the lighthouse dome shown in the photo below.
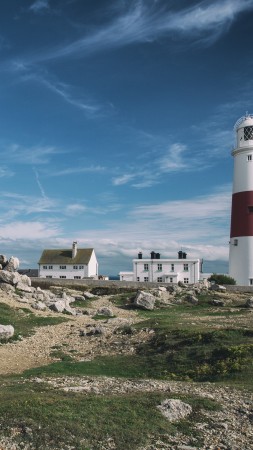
(244, 130)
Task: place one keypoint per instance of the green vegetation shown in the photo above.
(221, 279)
(24, 320)
(53, 419)
(191, 343)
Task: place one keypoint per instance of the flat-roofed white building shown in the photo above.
(68, 263)
(164, 270)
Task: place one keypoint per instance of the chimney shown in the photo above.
(153, 255)
(74, 249)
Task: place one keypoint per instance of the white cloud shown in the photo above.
(123, 179)
(75, 170)
(5, 172)
(39, 5)
(29, 155)
(148, 21)
(28, 230)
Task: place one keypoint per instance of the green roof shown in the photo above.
(64, 256)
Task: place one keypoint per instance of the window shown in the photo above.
(62, 276)
(235, 242)
(159, 279)
(171, 280)
(49, 276)
(250, 209)
(251, 281)
(186, 280)
(145, 278)
(80, 267)
(172, 267)
(248, 133)
(77, 278)
(249, 157)
(159, 267)
(50, 267)
(75, 267)
(186, 267)
(62, 267)
(145, 266)
(44, 267)
(138, 278)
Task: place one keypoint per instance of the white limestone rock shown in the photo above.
(6, 331)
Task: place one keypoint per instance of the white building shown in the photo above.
(72, 264)
(155, 269)
(241, 231)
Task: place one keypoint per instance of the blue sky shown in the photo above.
(117, 123)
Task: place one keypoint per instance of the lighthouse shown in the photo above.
(241, 231)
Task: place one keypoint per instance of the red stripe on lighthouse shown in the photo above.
(242, 214)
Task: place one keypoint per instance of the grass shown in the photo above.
(24, 321)
(186, 345)
(51, 419)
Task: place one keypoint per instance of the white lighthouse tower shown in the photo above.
(241, 231)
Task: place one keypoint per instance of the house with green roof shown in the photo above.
(72, 264)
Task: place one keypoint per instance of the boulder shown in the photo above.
(88, 295)
(9, 277)
(3, 260)
(249, 303)
(39, 306)
(191, 299)
(217, 287)
(12, 265)
(105, 312)
(7, 287)
(216, 302)
(6, 331)
(174, 409)
(144, 300)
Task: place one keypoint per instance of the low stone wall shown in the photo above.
(45, 283)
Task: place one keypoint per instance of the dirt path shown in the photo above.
(37, 349)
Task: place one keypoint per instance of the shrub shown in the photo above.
(221, 279)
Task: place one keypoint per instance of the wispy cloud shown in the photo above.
(39, 184)
(29, 155)
(5, 172)
(28, 230)
(122, 179)
(82, 168)
(27, 72)
(39, 6)
(146, 21)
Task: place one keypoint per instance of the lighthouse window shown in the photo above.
(248, 133)
(249, 157)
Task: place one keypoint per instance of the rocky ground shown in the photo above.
(227, 429)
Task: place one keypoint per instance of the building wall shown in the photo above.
(163, 271)
(80, 270)
(92, 270)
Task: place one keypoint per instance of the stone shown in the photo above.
(39, 306)
(249, 303)
(23, 287)
(9, 277)
(217, 287)
(144, 300)
(88, 295)
(105, 312)
(191, 299)
(216, 302)
(12, 265)
(7, 287)
(6, 331)
(174, 409)
(3, 260)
